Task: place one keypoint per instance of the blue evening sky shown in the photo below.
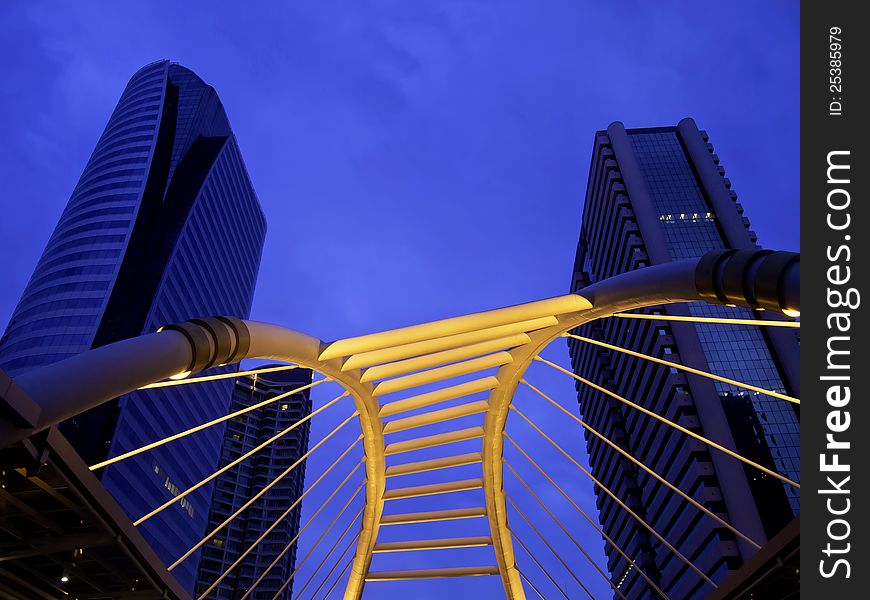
(415, 160)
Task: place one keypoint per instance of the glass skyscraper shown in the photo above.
(163, 226)
(235, 487)
(655, 195)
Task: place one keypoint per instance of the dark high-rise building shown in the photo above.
(163, 226)
(657, 195)
(235, 487)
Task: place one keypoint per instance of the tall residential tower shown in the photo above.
(163, 226)
(657, 195)
(282, 449)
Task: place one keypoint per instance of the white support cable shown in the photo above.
(542, 568)
(206, 425)
(529, 581)
(326, 530)
(616, 499)
(283, 516)
(256, 496)
(655, 475)
(687, 369)
(340, 536)
(589, 519)
(658, 417)
(553, 550)
(337, 579)
(326, 557)
(713, 320)
(335, 564)
(233, 375)
(308, 523)
(240, 459)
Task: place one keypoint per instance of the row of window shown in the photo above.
(99, 158)
(97, 212)
(92, 269)
(121, 162)
(33, 361)
(88, 227)
(91, 240)
(106, 175)
(119, 143)
(52, 322)
(89, 255)
(64, 339)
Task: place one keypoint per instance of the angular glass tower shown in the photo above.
(656, 195)
(235, 487)
(163, 226)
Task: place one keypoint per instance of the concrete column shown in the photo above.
(641, 203)
(732, 478)
(736, 235)
(785, 347)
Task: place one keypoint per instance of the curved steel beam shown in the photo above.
(682, 281)
(74, 385)
(61, 390)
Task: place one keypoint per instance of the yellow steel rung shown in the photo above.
(431, 573)
(433, 489)
(434, 464)
(437, 416)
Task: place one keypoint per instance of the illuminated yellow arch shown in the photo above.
(497, 345)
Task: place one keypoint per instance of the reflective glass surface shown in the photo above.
(736, 352)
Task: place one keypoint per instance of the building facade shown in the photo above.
(655, 195)
(237, 485)
(163, 226)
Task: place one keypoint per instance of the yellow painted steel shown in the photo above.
(442, 544)
(434, 464)
(442, 395)
(436, 416)
(433, 489)
(442, 358)
(465, 367)
(433, 515)
(431, 573)
(430, 441)
(473, 322)
(393, 353)
(497, 348)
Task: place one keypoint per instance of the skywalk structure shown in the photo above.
(656, 195)
(395, 387)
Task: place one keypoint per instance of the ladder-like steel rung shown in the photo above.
(396, 384)
(436, 416)
(453, 514)
(473, 322)
(442, 544)
(409, 365)
(431, 573)
(444, 394)
(433, 464)
(432, 489)
(437, 344)
(430, 441)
